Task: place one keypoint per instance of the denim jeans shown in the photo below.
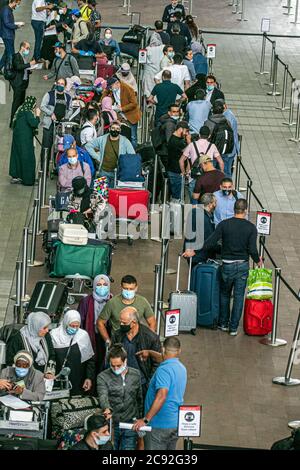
(38, 28)
(175, 182)
(228, 161)
(124, 439)
(110, 175)
(191, 188)
(161, 439)
(234, 277)
(134, 129)
(8, 51)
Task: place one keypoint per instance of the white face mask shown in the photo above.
(108, 36)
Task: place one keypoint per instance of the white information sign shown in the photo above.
(142, 56)
(189, 421)
(211, 51)
(265, 25)
(172, 323)
(263, 223)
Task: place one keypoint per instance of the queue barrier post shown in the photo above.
(288, 6)
(284, 89)
(33, 263)
(243, 11)
(296, 137)
(24, 296)
(291, 122)
(272, 340)
(157, 270)
(39, 196)
(262, 70)
(44, 177)
(248, 193)
(18, 302)
(287, 380)
(270, 83)
(274, 92)
(296, 13)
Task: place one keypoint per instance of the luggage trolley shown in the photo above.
(28, 422)
(76, 285)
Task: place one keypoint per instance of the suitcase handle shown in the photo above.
(178, 272)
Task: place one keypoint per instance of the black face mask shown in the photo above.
(226, 192)
(124, 74)
(114, 133)
(125, 328)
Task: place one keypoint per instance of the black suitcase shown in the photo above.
(147, 152)
(49, 297)
(26, 443)
(85, 62)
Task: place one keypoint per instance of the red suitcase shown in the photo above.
(105, 70)
(130, 203)
(258, 317)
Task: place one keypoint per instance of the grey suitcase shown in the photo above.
(186, 301)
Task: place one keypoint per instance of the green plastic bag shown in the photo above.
(259, 284)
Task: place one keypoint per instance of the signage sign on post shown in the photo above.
(189, 421)
(211, 51)
(263, 222)
(265, 25)
(142, 56)
(172, 323)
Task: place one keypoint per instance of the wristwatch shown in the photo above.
(146, 421)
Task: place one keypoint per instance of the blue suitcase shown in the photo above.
(130, 167)
(206, 284)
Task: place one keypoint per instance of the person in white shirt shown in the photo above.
(88, 131)
(38, 21)
(167, 59)
(180, 73)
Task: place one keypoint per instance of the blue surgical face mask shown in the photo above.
(71, 331)
(102, 291)
(72, 160)
(128, 294)
(171, 55)
(101, 440)
(21, 371)
(120, 370)
(60, 88)
(26, 52)
(175, 118)
(210, 87)
(57, 54)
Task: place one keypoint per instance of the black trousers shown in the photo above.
(19, 95)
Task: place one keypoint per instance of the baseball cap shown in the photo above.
(205, 159)
(75, 12)
(68, 141)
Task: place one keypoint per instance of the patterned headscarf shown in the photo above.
(28, 105)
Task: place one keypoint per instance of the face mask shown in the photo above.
(81, 191)
(57, 54)
(210, 87)
(60, 88)
(101, 440)
(21, 372)
(25, 53)
(125, 328)
(61, 12)
(114, 133)
(108, 36)
(226, 192)
(102, 291)
(71, 331)
(72, 161)
(120, 370)
(124, 74)
(171, 55)
(175, 118)
(128, 294)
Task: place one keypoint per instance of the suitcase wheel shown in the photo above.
(193, 332)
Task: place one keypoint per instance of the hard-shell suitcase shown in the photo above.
(186, 301)
(258, 317)
(105, 71)
(73, 234)
(130, 203)
(130, 167)
(206, 284)
(89, 260)
(49, 297)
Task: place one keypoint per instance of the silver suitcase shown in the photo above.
(186, 301)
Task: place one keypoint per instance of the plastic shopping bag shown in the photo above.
(259, 284)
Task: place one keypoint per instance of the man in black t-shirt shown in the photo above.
(177, 143)
(238, 237)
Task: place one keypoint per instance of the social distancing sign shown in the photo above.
(263, 223)
(211, 51)
(189, 421)
(172, 323)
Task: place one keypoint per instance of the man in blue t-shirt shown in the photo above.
(165, 395)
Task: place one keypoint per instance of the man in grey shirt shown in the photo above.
(64, 66)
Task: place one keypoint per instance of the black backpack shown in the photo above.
(9, 72)
(222, 136)
(77, 134)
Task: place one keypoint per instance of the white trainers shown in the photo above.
(223, 328)
(233, 333)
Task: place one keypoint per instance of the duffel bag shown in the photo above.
(70, 413)
(134, 35)
(89, 260)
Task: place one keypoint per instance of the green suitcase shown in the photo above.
(88, 260)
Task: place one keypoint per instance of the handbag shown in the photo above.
(259, 284)
(70, 413)
(134, 35)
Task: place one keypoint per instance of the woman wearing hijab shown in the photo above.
(22, 158)
(23, 380)
(199, 59)
(73, 349)
(90, 308)
(125, 75)
(107, 113)
(36, 339)
(152, 67)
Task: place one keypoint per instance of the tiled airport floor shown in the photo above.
(230, 377)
